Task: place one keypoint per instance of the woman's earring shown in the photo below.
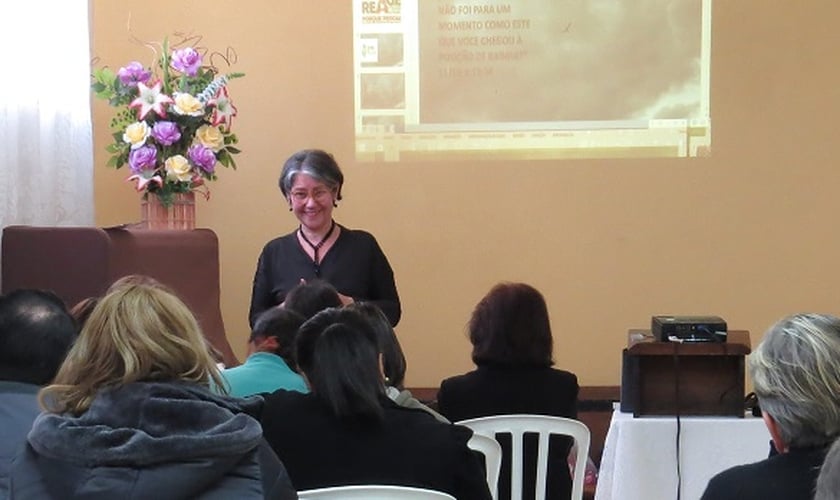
(290, 208)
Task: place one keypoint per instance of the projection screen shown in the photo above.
(443, 79)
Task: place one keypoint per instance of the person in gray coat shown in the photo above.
(130, 414)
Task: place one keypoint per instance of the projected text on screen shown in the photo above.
(531, 79)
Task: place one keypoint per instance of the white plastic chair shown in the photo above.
(544, 426)
(373, 492)
(492, 451)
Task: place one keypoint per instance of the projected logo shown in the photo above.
(382, 7)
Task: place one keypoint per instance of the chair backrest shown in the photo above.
(492, 451)
(544, 426)
(373, 492)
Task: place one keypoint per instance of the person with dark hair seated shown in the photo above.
(270, 364)
(130, 414)
(36, 331)
(512, 349)
(795, 372)
(308, 298)
(346, 430)
(393, 359)
(81, 311)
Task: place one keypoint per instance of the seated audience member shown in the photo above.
(795, 372)
(393, 359)
(130, 413)
(512, 351)
(134, 279)
(347, 431)
(311, 297)
(828, 482)
(144, 279)
(270, 363)
(81, 311)
(36, 331)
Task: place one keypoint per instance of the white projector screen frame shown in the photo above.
(531, 79)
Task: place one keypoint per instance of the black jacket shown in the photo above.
(503, 391)
(409, 448)
(355, 265)
(786, 476)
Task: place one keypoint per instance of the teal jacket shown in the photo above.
(262, 372)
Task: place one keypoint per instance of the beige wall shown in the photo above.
(749, 234)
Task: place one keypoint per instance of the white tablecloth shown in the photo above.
(639, 459)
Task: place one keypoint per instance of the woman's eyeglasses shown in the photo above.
(318, 195)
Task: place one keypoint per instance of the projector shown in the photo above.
(688, 328)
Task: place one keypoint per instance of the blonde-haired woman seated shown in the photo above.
(130, 413)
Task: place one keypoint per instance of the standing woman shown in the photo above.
(349, 259)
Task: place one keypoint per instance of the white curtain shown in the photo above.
(46, 151)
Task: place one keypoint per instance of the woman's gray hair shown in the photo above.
(796, 375)
(828, 482)
(315, 163)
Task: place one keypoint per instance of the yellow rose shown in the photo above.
(136, 134)
(186, 104)
(210, 137)
(178, 168)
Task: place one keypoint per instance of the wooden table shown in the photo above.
(698, 378)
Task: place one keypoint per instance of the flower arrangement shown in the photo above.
(174, 121)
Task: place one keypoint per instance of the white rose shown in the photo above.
(210, 137)
(136, 134)
(186, 104)
(178, 168)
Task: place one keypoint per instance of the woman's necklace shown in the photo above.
(317, 246)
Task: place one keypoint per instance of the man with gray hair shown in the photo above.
(796, 375)
(36, 331)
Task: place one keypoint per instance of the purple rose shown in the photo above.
(203, 157)
(142, 158)
(133, 73)
(186, 61)
(166, 133)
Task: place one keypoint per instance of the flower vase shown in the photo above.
(179, 215)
